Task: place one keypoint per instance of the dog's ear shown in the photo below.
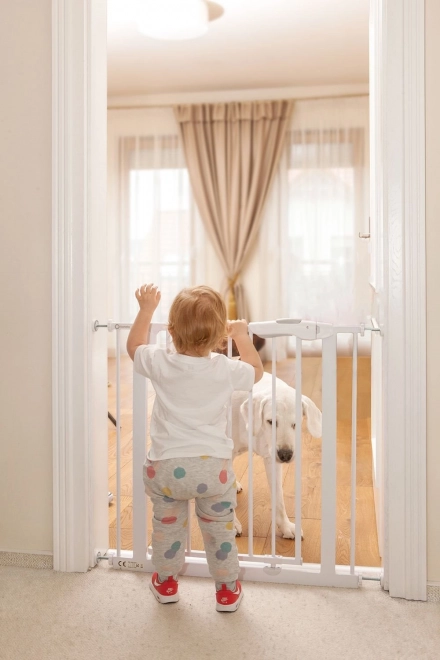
(257, 410)
(313, 416)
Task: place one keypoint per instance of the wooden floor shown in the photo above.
(367, 553)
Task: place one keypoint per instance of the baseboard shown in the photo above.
(25, 560)
(433, 592)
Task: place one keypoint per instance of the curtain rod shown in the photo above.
(170, 105)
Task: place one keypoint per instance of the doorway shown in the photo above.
(402, 317)
(326, 157)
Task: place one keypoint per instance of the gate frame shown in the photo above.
(79, 61)
(254, 566)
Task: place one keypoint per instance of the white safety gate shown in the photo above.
(269, 567)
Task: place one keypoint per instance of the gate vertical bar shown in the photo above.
(250, 472)
(189, 529)
(274, 445)
(229, 418)
(229, 408)
(328, 505)
(139, 451)
(353, 454)
(298, 449)
(118, 443)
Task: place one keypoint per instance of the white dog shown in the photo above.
(262, 435)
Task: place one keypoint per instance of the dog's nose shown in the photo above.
(285, 454)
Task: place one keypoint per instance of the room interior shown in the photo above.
(307, 259)
(105, 613)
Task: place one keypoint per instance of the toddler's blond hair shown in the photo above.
(197, 320)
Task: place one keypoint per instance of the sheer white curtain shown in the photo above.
(157, 233)
(315, 265)
(161, 231)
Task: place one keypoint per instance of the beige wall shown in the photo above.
(25, 279)
(433, 280)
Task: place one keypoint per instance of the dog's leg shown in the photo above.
(286, 527)
(237, 526)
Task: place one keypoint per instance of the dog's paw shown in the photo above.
(288, 531)
(238, 527)
(239, 487)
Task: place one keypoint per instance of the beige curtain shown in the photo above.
(232, 152)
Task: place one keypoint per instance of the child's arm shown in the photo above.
(148, 297)
(238, 331)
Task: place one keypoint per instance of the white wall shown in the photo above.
(25, 280)
(433, 277)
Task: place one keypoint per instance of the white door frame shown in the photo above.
(79, 167)
(403, 298)
(79, 276)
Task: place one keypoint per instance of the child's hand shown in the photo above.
(148, 297)
(237, 328)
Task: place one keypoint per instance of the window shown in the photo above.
(160, 232)
(326, 189)
(160, 227)
(310, 262)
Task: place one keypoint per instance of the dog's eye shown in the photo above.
(269, 421)
(294, 426)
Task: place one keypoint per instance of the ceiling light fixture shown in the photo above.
(175, 19)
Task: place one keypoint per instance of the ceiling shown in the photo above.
(255, 44)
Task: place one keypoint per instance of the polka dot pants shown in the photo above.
(171, 483)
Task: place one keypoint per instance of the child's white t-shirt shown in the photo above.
(190, 409)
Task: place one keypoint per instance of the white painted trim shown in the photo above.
(405, 295)
(377, 444)
(69, 345)
(73, 214)
(229, 95)
(376, 141)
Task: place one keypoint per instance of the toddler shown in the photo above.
(191, 455)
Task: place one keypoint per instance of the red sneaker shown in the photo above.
(227, 600)
(164, 592)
